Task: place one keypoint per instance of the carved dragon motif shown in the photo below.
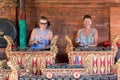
(9, 45)
(14, 67)
(53, 47)
(114, 46)
(69, 45)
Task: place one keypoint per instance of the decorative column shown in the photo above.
(22, 25)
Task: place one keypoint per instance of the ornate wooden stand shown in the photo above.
(32, 61)
(95, 62)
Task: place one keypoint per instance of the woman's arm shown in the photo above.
(50, 35)
(33, 35)
(96, 38)
(77, 40)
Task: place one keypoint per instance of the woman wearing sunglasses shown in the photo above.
(40, 37)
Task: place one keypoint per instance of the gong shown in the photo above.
(7, 27)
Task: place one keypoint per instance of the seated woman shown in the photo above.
(87, 36)
(41, 36)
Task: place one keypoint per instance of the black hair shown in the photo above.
(43, 17)
(48, 23)
(87, 16)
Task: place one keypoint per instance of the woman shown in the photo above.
(41, 37)
(87, 36)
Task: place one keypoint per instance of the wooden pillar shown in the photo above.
(22, 25)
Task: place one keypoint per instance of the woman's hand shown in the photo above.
(36, 42)
(92, 45)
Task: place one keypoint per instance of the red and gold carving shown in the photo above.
(95, 62)
(35, 61)
(95, 65)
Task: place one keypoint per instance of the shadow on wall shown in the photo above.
(61, 58)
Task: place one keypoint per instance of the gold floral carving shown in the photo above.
(114, 44)
(54, 48)
(9, 45)
(69, 45)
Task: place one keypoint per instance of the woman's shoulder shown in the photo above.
(34, 29)
(50, 32)
(94, 30)
(80, 30)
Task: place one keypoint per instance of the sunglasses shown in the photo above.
(43, 23)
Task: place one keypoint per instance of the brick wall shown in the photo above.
(114, 21)
(8, 10)
(66, 17)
